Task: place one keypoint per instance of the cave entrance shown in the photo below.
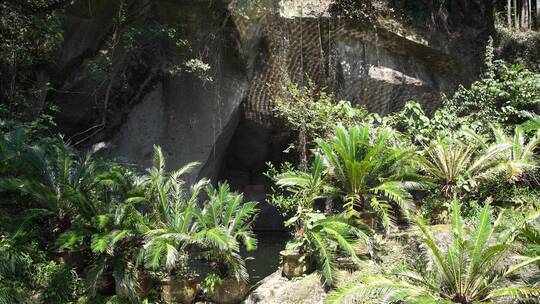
(243, 167)
(245, 162)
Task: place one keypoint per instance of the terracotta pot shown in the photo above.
(182, 290)
(71, 258)
(440, 214)
(360, 250)
(293, 265)
(230, 291)
(370, 219)
(105, 284)
(346, 263)
(143, 287)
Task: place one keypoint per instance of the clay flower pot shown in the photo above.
(230, 291)
(106, 283)
(440, 214)
(370, 219)
(74, 258)
(293, 265)
(144, 285)
(182, 290)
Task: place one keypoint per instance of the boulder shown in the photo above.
(276, 289)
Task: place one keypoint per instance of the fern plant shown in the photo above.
(370, 171)
(468, 271)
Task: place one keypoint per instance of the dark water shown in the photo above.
(265, 260)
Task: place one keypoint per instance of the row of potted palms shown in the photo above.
(365, 175)
(115, 225)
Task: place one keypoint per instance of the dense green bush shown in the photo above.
(504, 95)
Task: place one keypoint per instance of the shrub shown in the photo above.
(370, 171)
(469, 270)
(504, 95)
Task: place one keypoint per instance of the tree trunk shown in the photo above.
(509, 12)
(328, 206)
(302, 142)
(538, 14)
(516, 17)
(524, 15)
(529, 12)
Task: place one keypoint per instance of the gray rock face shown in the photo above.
(383, 72)
(252, 54)
(276, 289)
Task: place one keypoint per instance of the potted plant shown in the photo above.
(319, 242)
(224, 224)
(229, 290)
(112, 230)
(181, 287)
(317, 237)
(295, 263)
(170, 243)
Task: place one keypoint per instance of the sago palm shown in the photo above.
(161, 188)
(170, 213)
(516, 155)
(58, 182)
(533, 124)
(370, 171)
(323, 238)
(520, 156)
(450, 160)
(170, 236)
(115, 231)
(222, 226)
(302, 189)
(529, 233)
(468, 271)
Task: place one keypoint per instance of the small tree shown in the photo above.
(313, 113)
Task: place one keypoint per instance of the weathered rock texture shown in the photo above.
(227, 124)
(277, 289)
(190, 119)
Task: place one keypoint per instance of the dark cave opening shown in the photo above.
(245, 161)
(251, 147)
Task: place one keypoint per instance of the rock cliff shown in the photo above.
(253, 48)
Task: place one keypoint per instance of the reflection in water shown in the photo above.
(265, 260)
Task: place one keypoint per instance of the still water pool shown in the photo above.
(265, 260)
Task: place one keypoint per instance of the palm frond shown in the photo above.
(515, 292)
